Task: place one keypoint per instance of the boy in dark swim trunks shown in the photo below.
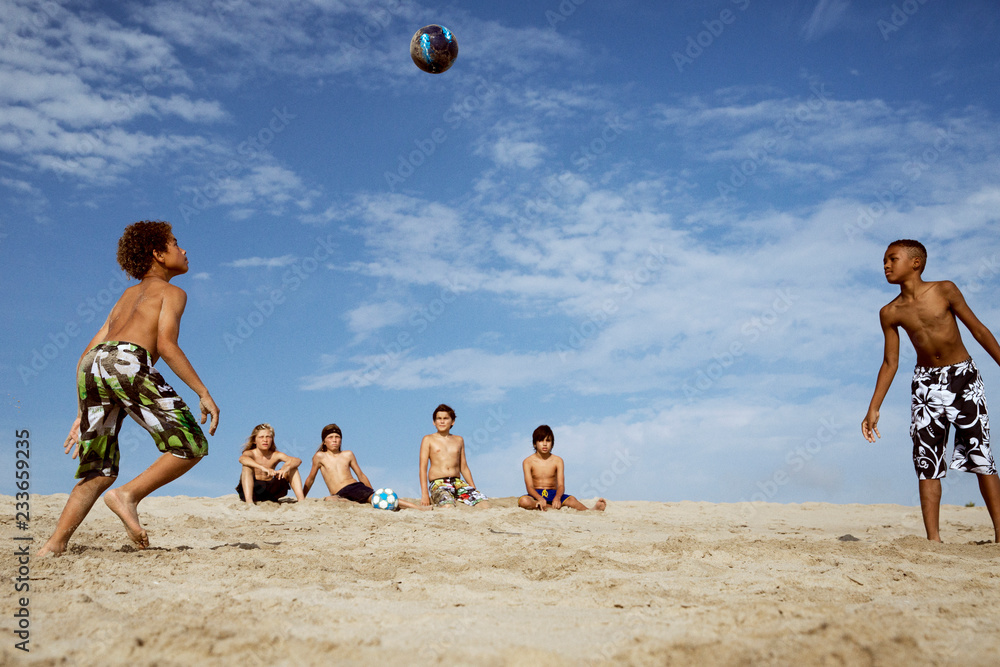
(260, 478)
(543, 477)
(442, 459)
(339, 468)
(946, 387)
(115, 376)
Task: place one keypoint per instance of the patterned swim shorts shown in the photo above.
(116, 379)
(942, 396)
(447, 490)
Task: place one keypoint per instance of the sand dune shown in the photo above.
(643, 583)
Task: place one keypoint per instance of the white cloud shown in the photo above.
(826, 16)
(517, 154)
(374, 316)
(264, 262)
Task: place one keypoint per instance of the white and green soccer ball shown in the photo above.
(385, 499)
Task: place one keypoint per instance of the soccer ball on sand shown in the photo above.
(385, 499)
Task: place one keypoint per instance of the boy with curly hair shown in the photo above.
(946, 387)
(115, 377)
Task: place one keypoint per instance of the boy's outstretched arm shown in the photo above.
(886, 372)
(978, 330)
(464, 466)
(174, 301)
(560, 483)
(307, 484)
(425, 452)
(356, 467)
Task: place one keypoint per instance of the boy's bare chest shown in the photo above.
(445, 446)
(925, 313)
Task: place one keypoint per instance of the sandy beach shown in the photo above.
(643, 583)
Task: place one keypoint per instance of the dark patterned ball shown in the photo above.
(433, 49)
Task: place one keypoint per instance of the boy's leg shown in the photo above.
(989, 486)
(407, 505)
(246, 481)
(296, 483)
(81, 500)
(527, 502)
(124, 500)
(930, 507)
(599, 505)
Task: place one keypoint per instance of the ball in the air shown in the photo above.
(433, 48)
(385, 499)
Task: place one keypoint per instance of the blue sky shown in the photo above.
(657, 227)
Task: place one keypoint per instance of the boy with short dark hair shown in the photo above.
(946, 386)
(337, 467)
(544, 477)
(115, 376)
(442, 460)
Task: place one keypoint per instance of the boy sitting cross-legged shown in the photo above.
(543, 477)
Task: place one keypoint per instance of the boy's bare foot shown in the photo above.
(50, 550)
(129, 514)
(600, 504)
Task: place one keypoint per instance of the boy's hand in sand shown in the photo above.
(208, 407)
(73, 439)
(869, 426)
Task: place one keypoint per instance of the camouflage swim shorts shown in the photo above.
(116, 379)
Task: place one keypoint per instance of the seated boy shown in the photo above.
(442, 458)
(946, 388)
(543, 477)
(337, 467)
(260, 478)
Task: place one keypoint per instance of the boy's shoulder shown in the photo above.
(551, 459)
(930, 289)
(451, 437)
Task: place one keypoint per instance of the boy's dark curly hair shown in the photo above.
(136, 246)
